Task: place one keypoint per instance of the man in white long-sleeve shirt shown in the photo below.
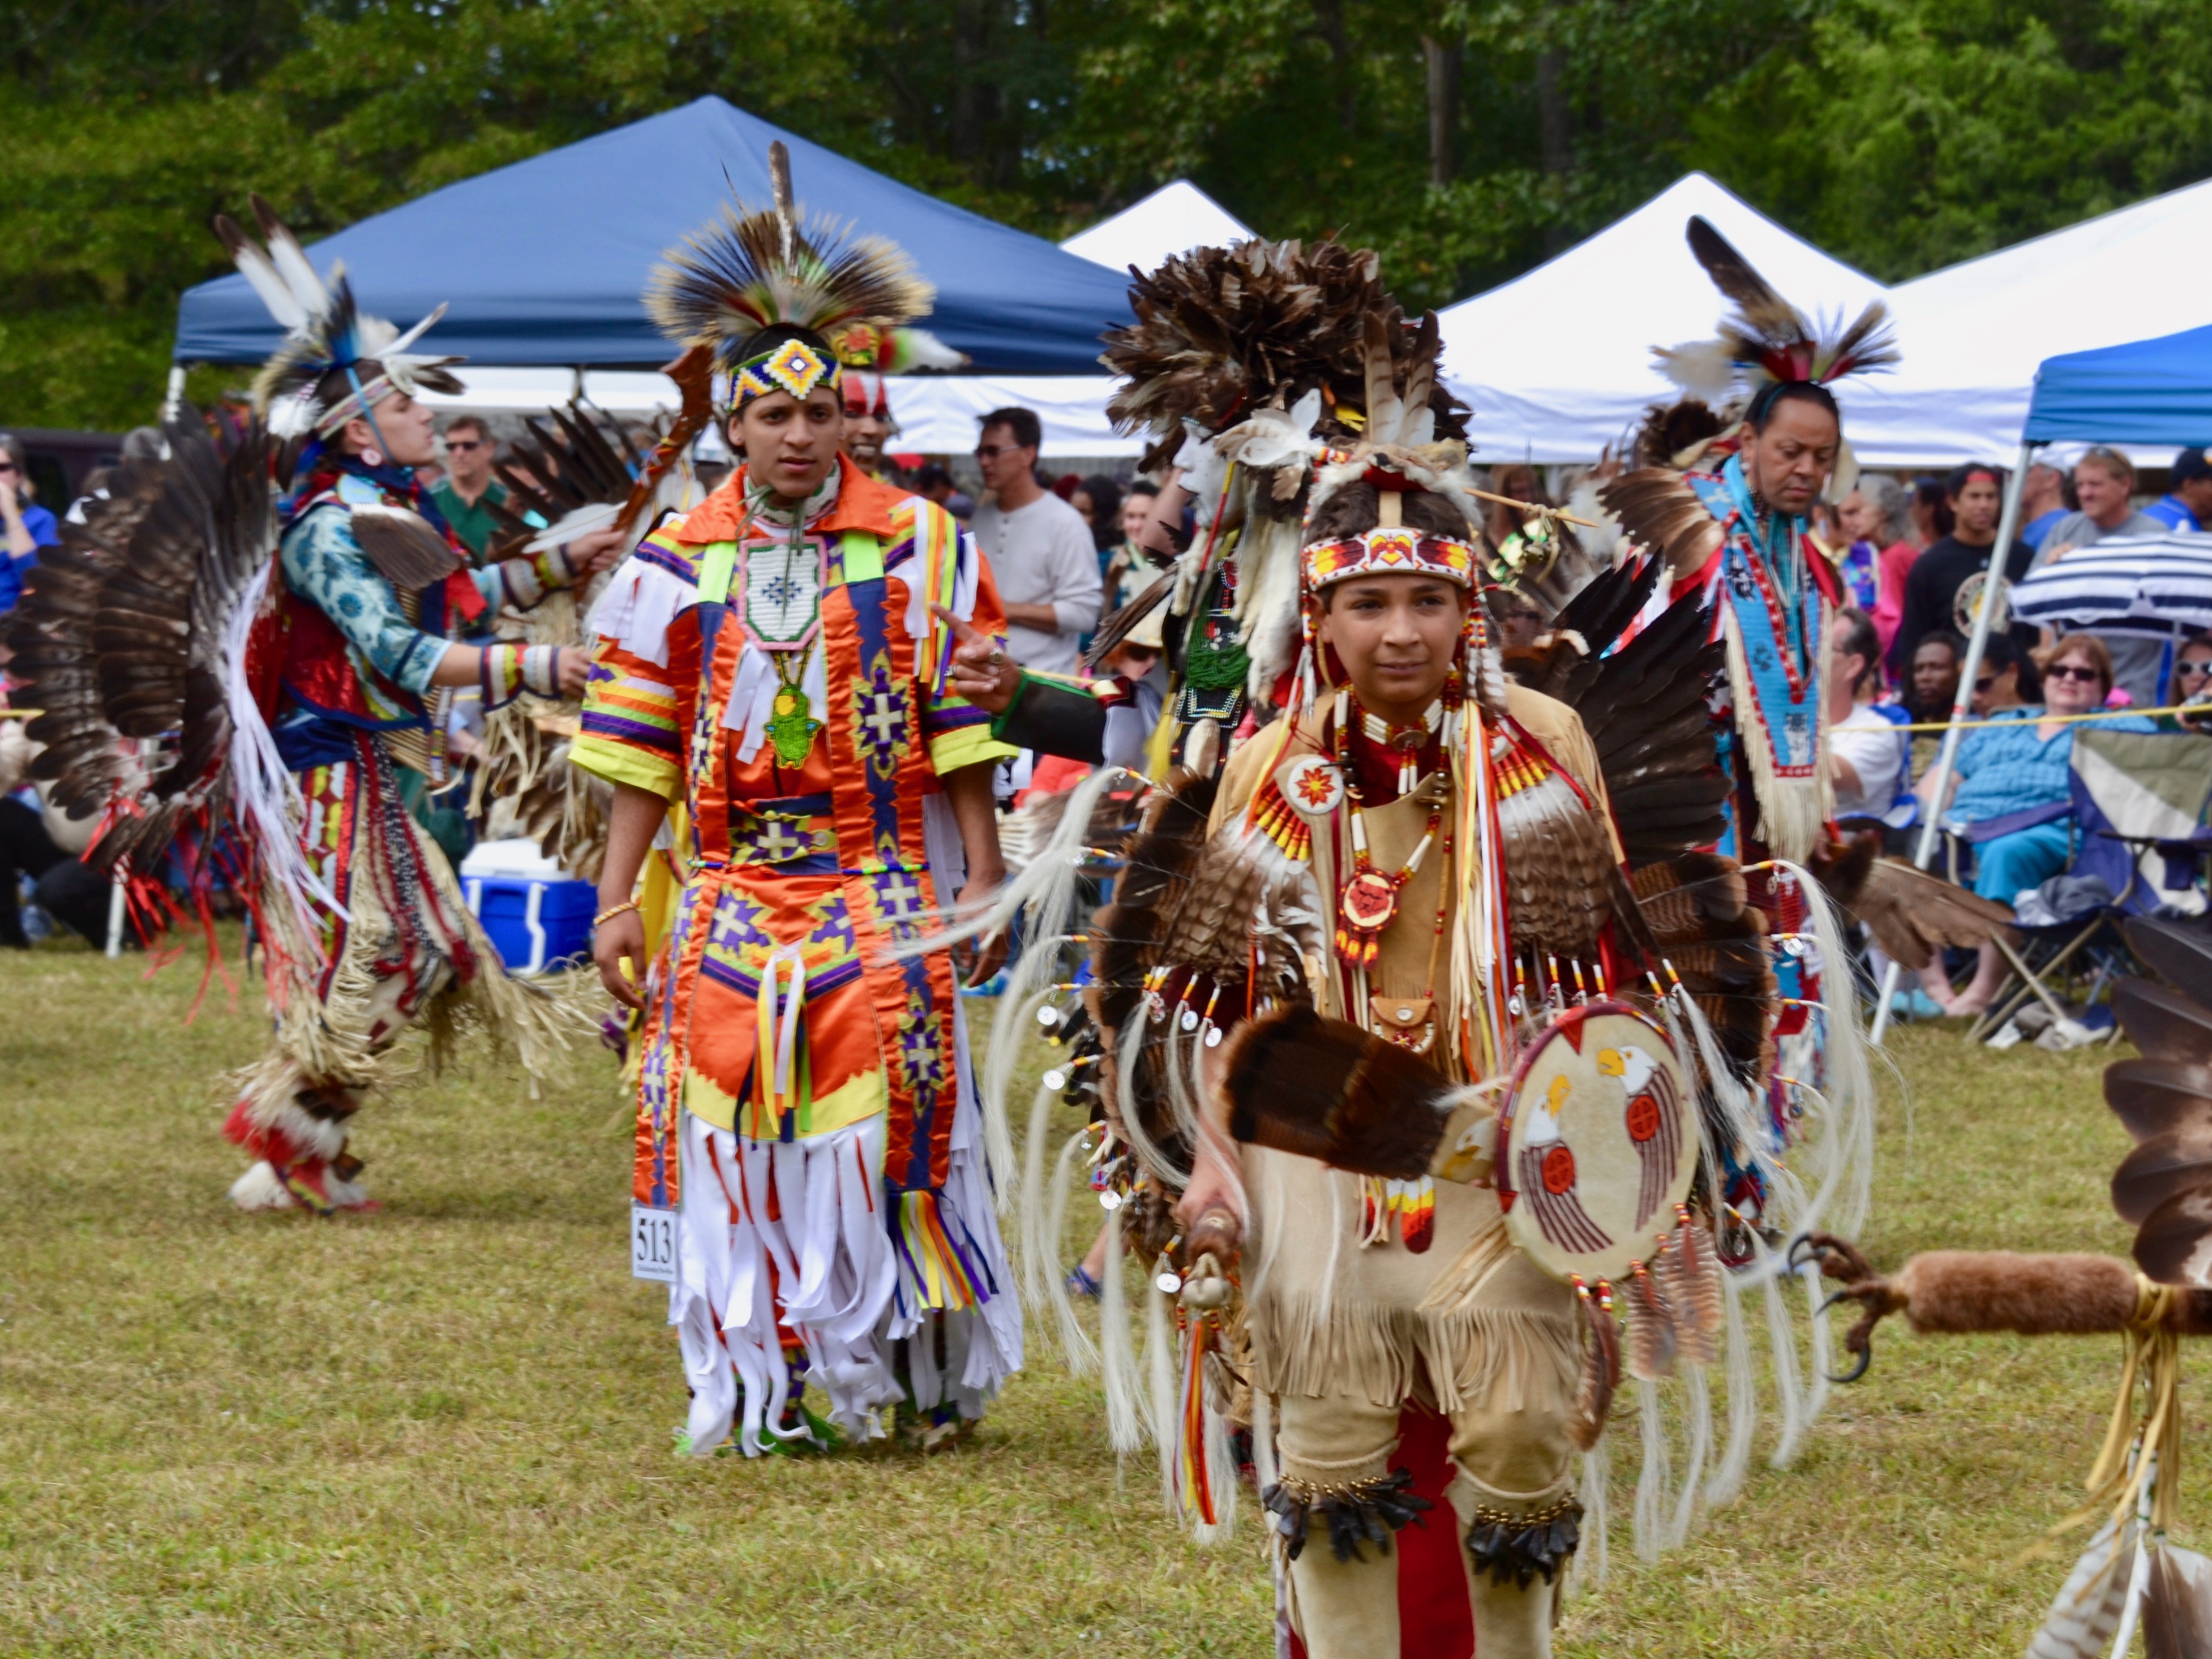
(1041, 554)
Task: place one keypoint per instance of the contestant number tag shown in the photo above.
(652, 1243)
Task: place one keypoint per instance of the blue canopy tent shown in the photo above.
(542, 262)
(2152, 392)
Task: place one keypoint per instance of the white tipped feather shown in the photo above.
(298, 271)
(254, 265)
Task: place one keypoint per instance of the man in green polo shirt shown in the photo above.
(468, 492)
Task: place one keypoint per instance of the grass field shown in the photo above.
(445, 1428)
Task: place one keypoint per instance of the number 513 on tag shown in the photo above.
(652, 1243)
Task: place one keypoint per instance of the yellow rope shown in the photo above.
(2060, 719)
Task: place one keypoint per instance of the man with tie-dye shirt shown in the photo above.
(773, 662)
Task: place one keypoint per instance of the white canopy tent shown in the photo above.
(1174, 219)
(1974, 333)
(1557, 365)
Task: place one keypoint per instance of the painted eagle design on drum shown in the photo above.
(1546, 1175)
(1654, 1118)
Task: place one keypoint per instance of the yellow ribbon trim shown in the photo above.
(2151, 1431)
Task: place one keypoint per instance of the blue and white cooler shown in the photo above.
(539, 917)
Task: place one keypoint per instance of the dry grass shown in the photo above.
(445, 1428)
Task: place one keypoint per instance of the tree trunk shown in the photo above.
(1555, 136)
(1329, 23)
(1442, 61)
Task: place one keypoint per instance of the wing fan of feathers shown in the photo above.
(122, 635)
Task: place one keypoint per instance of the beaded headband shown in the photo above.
(793, 365)
(1395, 550)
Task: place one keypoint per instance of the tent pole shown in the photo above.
(1946, 756)
(173, 399)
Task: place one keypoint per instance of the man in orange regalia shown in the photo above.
(771, 661)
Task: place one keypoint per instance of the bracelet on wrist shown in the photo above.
(625, 907)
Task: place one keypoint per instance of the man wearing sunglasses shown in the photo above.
(468, 492)
(1040, 552)
(25, 526)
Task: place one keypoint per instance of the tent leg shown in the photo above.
(173, 399)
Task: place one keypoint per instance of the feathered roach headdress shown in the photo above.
(337, 360)
(1768, 344)
(770, 293)
(1249, 364)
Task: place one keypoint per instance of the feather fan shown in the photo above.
(1662, 514)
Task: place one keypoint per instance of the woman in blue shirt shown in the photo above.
(25, 526)
(2019, 766)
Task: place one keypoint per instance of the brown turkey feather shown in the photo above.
(1221, 331)
(2180, 955)
(122, 630)
(1123, 622)
(2156, 1096)
(2163, 1025)
(1913, 915)
(1765, 316)
(1698, 910)
(402, 545)
(2161, 1168)
(1324, 1088)
(1600, 1374)
(1662, 514)
(2177, 1618)
(2173, 1246)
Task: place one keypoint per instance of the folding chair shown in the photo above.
(2138, 803)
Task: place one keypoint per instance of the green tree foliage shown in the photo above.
(1467, 139)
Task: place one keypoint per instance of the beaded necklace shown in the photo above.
(1369, 898)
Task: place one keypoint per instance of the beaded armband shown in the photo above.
(509, 668)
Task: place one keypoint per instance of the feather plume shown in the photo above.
(2178, 954)
(1767, 338)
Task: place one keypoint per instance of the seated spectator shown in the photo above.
(2187, 504)
(1866, 755)
(2011, 791)
(2192, 682)
(2006, 679)
(25, 526)
(1877, 514)
(1931, 689)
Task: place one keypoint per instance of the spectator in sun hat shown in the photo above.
(2187, 504)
